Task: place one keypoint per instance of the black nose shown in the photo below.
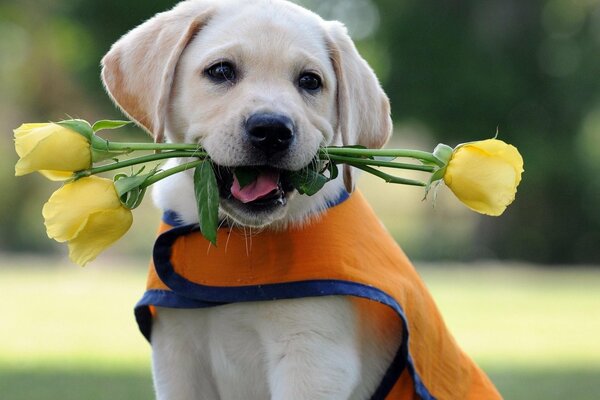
(270, 133)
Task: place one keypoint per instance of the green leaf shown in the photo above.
(333, 170)
(108, 124)
(131, 189)
(80, 126)
(207, 197)
(308, 181)
(125, 183)
(435, 178)
(438, 175)
(246, 176)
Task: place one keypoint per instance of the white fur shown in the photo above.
(304, 349)
(287, 349)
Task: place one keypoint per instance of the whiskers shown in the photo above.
(224, 222)
(249, 233)
(235, 228)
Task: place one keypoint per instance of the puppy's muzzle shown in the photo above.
(270, 133)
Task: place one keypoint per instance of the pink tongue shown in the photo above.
(266, 183)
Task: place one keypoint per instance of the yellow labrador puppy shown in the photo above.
(260, 83)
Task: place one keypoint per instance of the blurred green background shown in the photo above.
(455, 71)
(523, 300)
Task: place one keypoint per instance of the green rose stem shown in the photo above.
(323, 152)
(357, 157)
(352, 156)
(119, 146)
(390, 178)
(379, 163)
(171, 171)
(138, 160)
(357, 152)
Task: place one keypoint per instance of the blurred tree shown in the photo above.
(531, 68)
(459, 67)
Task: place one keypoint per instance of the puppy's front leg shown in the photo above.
(312, 349)
(179, 373)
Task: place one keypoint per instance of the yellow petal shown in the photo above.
(26, 141)
(66, 212)
(101, 230)
(23, 145)
(50, 147)
(484, 175)
(499, 149)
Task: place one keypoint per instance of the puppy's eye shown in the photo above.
(309, 81)
(221, 72)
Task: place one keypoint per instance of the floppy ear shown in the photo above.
(138, 70)
(362, 106)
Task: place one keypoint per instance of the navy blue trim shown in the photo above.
(162, 298)
(191, 295)
(343, 196)
(420, 388)
(171, 217)
(167, 298)
(143, 317)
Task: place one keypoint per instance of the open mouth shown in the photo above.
(258, 188)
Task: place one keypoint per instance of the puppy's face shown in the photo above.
(259, 84)
(256, 90)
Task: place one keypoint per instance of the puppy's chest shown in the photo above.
(237, 347)
(220, 347)
(235, 351)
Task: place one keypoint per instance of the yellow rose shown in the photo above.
(484, 175)
(51, 149)
(88, 214)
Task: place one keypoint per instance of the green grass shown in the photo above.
(69, 333)
(535, 331)
(75, 384)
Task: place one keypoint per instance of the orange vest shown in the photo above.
(346, 251)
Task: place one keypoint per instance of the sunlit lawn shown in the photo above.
(68, 333)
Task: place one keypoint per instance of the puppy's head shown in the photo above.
(259, 84)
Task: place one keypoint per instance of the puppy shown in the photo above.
(287, 305)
